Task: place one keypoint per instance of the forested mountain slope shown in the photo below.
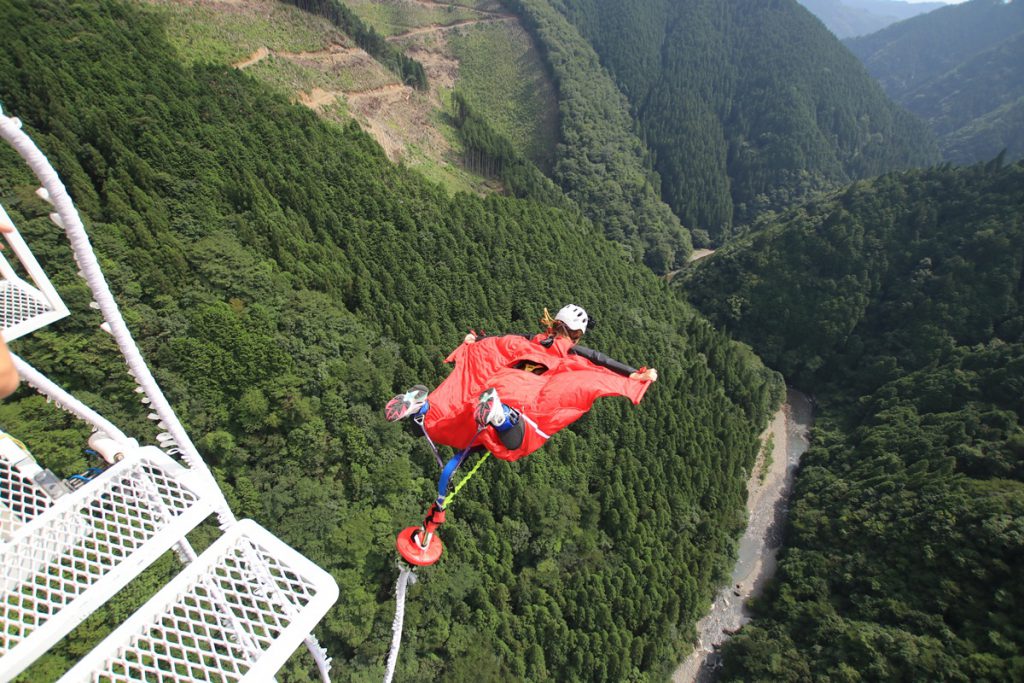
(961, 69)
(746, 105)
(879, 279)
(285, 279)
(598, 161)
(601, 163)
(312, 51)
(847, 18)
(900, 302)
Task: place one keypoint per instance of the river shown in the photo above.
(767, 507)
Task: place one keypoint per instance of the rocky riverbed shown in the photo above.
(767, 505)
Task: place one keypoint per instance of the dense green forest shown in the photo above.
(961, 69)
(747, 106)
(492, 155)
(601, 164)
(877, 280)
(284, 280)
(900, 303)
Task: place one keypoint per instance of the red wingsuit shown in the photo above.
(546, 402)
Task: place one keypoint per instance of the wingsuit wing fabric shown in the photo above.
(547, 402)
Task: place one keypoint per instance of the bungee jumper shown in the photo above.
(507, 395)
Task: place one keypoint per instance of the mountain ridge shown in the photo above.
(851, 18)
(750, 106)
(312, 60)
(961, 69)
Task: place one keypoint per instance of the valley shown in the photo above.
(768, 492)
(303, 205)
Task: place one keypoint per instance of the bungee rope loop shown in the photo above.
(405, 577)
(406, 573)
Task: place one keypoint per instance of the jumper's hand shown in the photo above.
(646, 375)
(4, 227)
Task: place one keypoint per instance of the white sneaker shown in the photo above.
(489, 409)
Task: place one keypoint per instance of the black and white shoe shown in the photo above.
(404, 405)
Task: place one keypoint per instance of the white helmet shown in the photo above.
(574, 317)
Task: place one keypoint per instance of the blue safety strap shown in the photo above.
(450, 467)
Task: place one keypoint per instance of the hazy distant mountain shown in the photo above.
(746, 105)
(961, 69)
(847, 18)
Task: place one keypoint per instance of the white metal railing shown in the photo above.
(69, 403)
(66, 217)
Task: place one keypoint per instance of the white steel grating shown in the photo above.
(20, 303)
(234, 614)
(25, 307)
(21, 500)
(69, 560)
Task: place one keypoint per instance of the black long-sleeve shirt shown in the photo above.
(598, 358)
